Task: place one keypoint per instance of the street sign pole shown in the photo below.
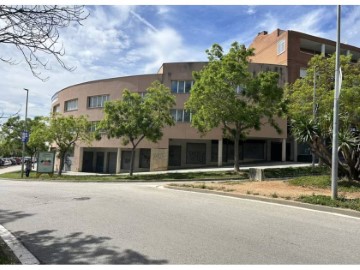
(24, 141)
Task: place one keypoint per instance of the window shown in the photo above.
(181, 115)
(97, 101)
(56, 109)
(93, 125)
(239, 89)
(187, 116)
(174, 155)
(180, 87)
(142, 94)
(145, 156)
(188, 85)
(196, 153)
(71, 105)
(281, 46)
(303, 72)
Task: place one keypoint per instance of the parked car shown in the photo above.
(18, 160)
(13, 161)
(6, 162)
(1, 162)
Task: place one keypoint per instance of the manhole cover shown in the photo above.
(82, 198)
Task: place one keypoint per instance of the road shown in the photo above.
(122, 223)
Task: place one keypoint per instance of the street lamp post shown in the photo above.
(334, 161)
(314, 112)
(24, 139)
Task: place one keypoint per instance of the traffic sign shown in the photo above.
(25, 136)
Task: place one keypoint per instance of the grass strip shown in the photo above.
(341, 202)
(141, 177)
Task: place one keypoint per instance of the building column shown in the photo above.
(283, 150)
(220, 152)
(295, 151)
(323, 49)
(118, 160)
(78, 162)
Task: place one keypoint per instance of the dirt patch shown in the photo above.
(280, 189)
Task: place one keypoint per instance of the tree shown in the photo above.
(135, 118)
(226, 94)
(39, 139)
(34, 32)
(66, 131)
(317, 131)
(12, 131)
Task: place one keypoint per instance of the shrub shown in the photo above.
(295, 171)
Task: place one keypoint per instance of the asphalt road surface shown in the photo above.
(122, 223)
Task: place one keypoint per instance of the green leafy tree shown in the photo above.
(226, 94)
(134, 118)
(316, 130)
(39, 139)
(65, 131)
(12, 131)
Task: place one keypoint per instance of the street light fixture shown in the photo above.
(24, 136)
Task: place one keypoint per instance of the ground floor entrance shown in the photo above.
(182, 154)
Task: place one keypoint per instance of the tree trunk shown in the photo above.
(132, 161)
(236, 152)
(62, 158)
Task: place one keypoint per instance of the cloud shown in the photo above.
(311, 23)
(145, 22)
(251, 10)
(127, 40)
(163, 10)
(349, 25)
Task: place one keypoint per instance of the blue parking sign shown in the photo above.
(25, 136)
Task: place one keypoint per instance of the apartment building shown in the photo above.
(285, 52)
(181, 146)
(294, 50)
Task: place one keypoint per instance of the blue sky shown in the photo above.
(128, 40)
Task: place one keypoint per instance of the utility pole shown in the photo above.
(335, 155)
(24, 137)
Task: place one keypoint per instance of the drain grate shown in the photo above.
(81, 198)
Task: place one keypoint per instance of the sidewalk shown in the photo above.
(207, 169)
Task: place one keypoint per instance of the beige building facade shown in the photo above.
(182, 146)
(294, 50)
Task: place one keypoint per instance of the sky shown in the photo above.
(121, 40)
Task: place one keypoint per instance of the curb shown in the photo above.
(21, 252)
(124, 180)
(323, 208)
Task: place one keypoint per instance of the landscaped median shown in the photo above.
(6, 254)
(314, 189)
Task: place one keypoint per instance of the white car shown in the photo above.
(7, 162)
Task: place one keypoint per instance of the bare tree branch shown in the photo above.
(34, 30)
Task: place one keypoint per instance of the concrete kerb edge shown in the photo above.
(19, 250)
(342, 211)
(125, 180)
